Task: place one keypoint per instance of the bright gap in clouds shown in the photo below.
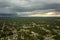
(32, 14)
(49, 14)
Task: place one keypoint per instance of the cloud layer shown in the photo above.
(29, 7)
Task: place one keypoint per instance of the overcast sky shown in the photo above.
(31, 7)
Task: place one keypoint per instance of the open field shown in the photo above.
(30, 28)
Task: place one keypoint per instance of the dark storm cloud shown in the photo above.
(14, 6)
(35, 5)
(54, 6)
(5, 7)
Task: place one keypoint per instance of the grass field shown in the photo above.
(30, 28)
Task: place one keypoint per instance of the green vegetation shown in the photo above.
(26, 28)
